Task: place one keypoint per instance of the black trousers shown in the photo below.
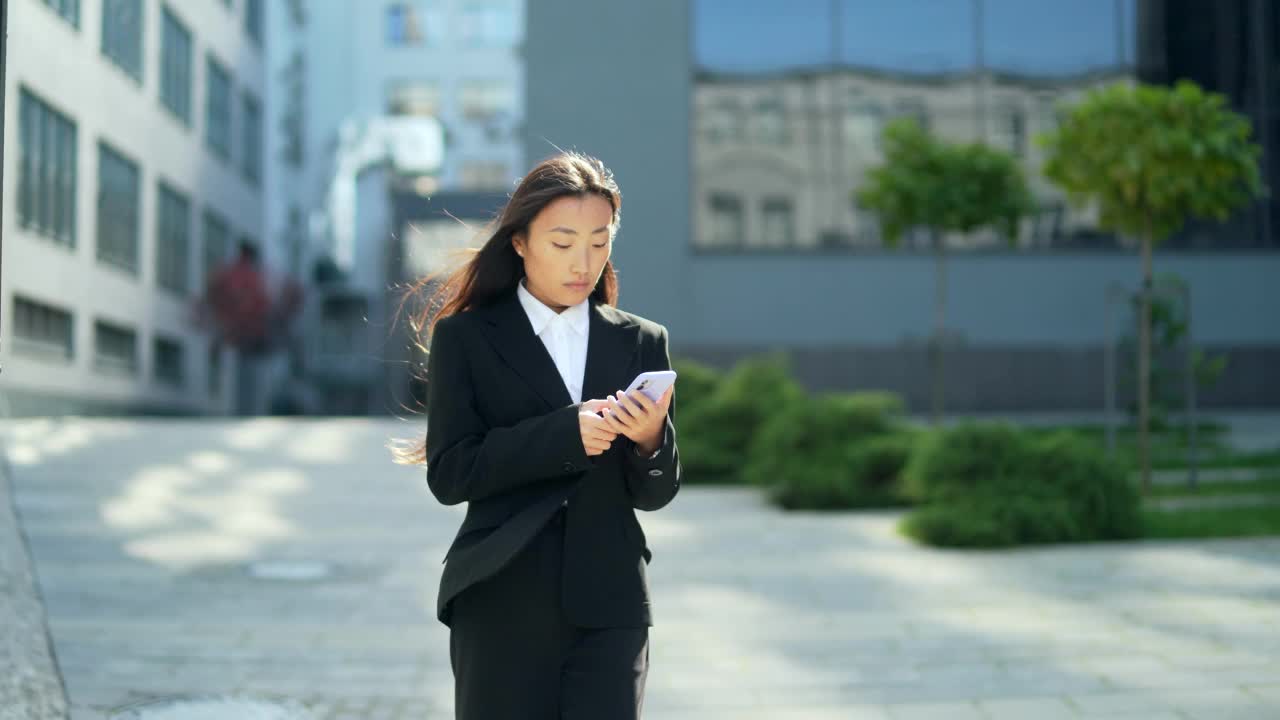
(514, 655)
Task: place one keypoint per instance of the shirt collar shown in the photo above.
(540, 315)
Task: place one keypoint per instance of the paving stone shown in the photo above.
(140, 544)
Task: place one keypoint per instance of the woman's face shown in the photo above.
(566, 249)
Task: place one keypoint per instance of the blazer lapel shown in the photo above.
(611, 343)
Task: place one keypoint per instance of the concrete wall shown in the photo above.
(66, 68)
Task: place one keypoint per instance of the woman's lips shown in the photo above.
(576, 286)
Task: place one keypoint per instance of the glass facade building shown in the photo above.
(790, 99)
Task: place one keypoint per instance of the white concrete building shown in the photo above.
(455, 60)
(134, 161)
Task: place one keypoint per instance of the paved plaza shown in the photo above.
(144, 536)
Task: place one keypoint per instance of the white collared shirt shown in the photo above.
(564, 334)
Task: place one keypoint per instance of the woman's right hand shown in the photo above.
(596, 435)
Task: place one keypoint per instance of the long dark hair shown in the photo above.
(493, 271)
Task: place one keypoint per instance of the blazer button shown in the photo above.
(568, 467)
(655, 472)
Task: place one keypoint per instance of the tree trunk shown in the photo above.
(1144, 363)
(939, 328)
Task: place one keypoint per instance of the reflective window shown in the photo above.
(790, 101)
(414, 97)
(119, 202)
(175, 66)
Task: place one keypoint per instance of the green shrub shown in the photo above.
(716, 435)
(993, 485)
(695, 384)
(957, 463)
(836, 451)
(877, 466)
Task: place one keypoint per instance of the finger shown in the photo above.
(635, 406)
(602, 430)
(615, 403)
(613, 422)
(600, 423)
(620, 413)
(666, 398)
(594, 406)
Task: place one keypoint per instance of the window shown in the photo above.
(915, 109)
(168, 365)
(46, 171)
(119, 192)
(293, 116)
(217, 242)
(483, 175)
(1047, 112)
(404, 25)
(1009, 130)
(863, 122)
(253, 21)
(727, 227)
(41, 331)
(215, 369)
(115, 349)
(122, 35)
(489, 23)
(487, 99)
(723, 121)
(175, 67)
(218, 108)
(252, 141)
(778, 222)
(771, 122)
(414, 97)
(173, 239)
(68, 9)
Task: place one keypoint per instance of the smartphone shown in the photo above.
(653, 383)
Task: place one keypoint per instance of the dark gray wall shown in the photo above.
(614, 80)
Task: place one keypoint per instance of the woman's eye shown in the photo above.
(562, 247)
(601, 246)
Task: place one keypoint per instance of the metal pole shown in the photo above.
(1262, 88)
(1109, 373)
(4, 33)
(837, 104)
(980, 73)
(1192, 419)
(1121, 55)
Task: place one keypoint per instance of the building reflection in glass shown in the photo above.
(789, 101)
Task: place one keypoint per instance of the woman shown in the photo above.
(544, 588)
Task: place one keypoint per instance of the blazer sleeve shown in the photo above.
(469, 461)
(654, 481)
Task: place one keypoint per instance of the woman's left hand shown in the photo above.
(638, 417)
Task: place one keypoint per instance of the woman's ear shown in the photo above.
(518, 243)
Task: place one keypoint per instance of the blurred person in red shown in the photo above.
(238, 306)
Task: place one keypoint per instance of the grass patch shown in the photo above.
(1211, 458)
(1268, 484)
(1211, 522)
(1169, 447)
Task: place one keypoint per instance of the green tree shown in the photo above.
(1151, 157)
(943, 188)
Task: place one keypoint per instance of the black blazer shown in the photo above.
(503, 436)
